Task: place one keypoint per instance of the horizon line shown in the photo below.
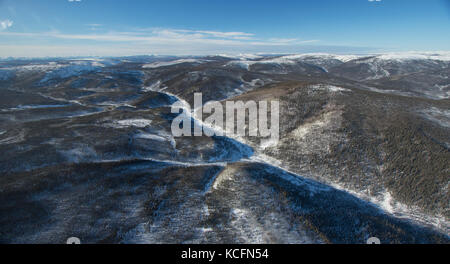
(237, 54)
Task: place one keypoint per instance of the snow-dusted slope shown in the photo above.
(170, 63)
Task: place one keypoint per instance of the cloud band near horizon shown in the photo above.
(144, 41)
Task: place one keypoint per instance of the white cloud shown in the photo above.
(218, 34)
(168, 36)
(197, 33)
(374, 0)
(74, 0)
(5, 24)
(145, 41)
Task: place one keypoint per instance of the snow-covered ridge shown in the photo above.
(246, 62)
(35, 67)
(241, 56)
(373, 67)
(327, 56)
(63, 69)
(170, 63)
(440, 56)
(72, 70)
(50, 66)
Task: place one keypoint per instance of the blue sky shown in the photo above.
(187, 27)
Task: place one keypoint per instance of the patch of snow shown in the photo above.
(160, 137)
(326, 87)
(154, 87)
(387, 202)
(439, 116)
(268, 143)
(150, 137)
(445, 91)
(263, 158)
(61, 99)
(373, 89)
(28, 107)
(442, 87)
(222, 177)
(141, 123)
(13, 139)
(114, 104)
